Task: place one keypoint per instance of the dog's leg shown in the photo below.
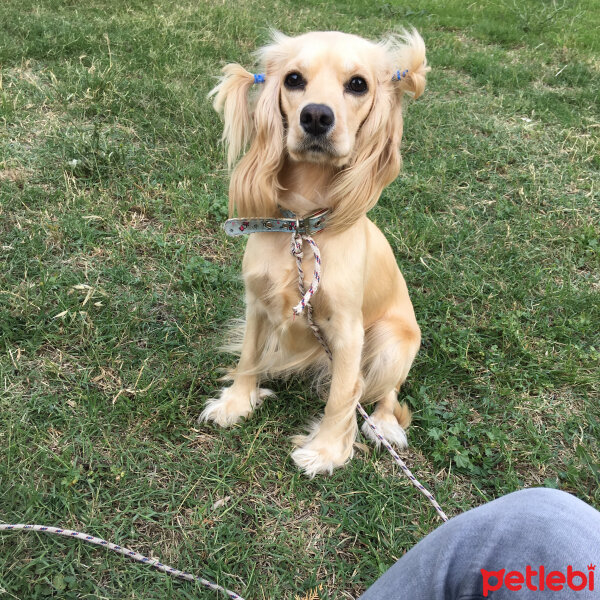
(239, 400)
(390, 347)
(330, 443)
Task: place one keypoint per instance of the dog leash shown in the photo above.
(300, 234)
(296, 250)
(152, 562)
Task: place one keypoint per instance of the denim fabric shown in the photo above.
(533, 527)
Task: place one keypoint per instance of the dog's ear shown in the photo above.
(254, 185)
(376, 160)
(232, 101)
(407, 53)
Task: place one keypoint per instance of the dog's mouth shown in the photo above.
(319, 146)
(317, 149)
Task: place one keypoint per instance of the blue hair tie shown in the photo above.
(400, 75)
(259, 78)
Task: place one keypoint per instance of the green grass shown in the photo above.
(116, 283)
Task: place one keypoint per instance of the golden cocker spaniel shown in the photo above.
(323, 132)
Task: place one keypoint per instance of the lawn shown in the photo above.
(116, 283)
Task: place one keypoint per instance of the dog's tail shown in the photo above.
(402, 414)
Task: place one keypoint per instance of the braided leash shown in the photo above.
(297, 240)
(401, 463)
(153, 562)
(298, 254)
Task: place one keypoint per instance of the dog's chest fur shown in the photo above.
(271, 276)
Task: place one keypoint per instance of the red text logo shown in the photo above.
(553, 581)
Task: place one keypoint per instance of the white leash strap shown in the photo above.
(153, 562)
(305, 304)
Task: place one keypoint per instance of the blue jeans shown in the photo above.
(532, 544)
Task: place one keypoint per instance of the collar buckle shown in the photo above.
(303, 226)
(310, 224)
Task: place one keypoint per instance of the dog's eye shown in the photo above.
(294, 81)
(357, 85)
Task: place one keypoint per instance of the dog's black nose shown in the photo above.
(316, 119)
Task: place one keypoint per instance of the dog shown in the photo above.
(323, 132)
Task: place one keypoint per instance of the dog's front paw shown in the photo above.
(319, 455)
(389, 427)
(232, 405)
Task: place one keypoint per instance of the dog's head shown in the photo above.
(329, 98)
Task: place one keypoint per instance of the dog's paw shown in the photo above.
(316, 456)
(389, 427)
(231, 406)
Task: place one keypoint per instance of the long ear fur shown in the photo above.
(376, 161)
(231, 100)
(407, 51)
(254, 186)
